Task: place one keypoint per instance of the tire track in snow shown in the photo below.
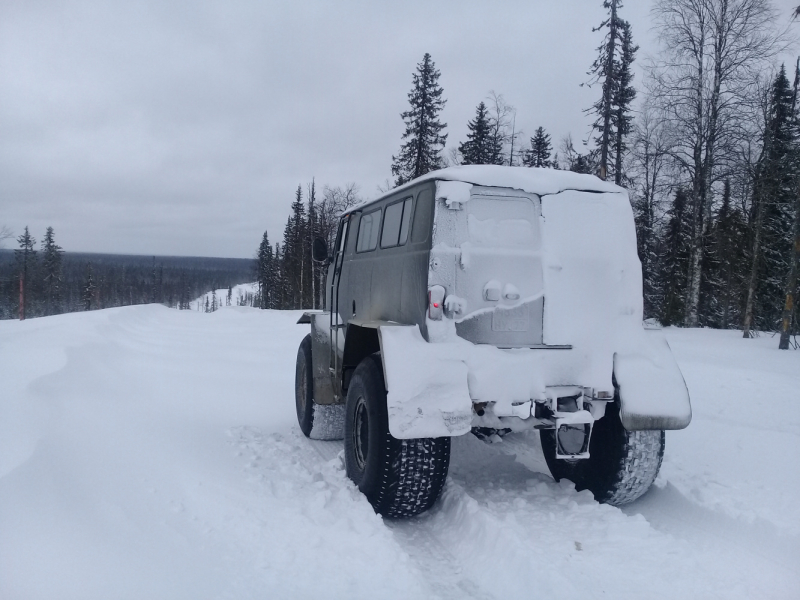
(502, 525)
(440, 567)
(436, 563)
(304, 531)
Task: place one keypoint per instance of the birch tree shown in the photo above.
(712, 52)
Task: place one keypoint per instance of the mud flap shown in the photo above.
(652, 391)
(427, 391)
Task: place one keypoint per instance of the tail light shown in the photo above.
(435, 302)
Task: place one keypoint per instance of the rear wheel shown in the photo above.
(317, 421)
(400, 478)
(622, 465)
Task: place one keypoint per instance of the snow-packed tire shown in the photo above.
(317, 421)
(400, 478)
(622, 465)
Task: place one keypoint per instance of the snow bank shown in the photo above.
(153, 453)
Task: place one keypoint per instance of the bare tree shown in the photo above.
(650, 169)
(5, 234)
(572, 160)
(451, 158)
(712, 53)
(504, 119)
(335, 200)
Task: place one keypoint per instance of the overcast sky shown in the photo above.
(184, 127)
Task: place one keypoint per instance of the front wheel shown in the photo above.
(622, 464)
(317, 421)
(400, 478)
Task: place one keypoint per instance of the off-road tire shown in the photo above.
(622, 465)
(317, 421)
(400, 478)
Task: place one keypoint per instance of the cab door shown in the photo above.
(337, 322)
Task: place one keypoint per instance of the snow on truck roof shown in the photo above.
(533, 180)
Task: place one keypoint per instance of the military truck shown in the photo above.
(488, 300)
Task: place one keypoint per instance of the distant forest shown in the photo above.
(58, 282)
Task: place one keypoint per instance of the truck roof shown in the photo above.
(534, 180)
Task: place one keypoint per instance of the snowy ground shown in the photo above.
(154, 453)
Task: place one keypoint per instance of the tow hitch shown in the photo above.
(573, 418)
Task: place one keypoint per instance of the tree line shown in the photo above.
(55, 282)
(287, 277)
(710, 157)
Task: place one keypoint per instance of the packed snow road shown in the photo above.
(153, 453)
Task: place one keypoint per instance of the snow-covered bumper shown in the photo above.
(445, 388)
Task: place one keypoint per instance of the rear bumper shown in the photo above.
(433, 386)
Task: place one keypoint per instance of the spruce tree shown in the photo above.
(280, 288)
(26, 269)
(311, 270)
(88, 288)
(675, 262)
(790, 318)
(774, 190)
(51, 271)
(728, 238)
(295, 250)
(264, 272)
(622, 97)
(644, 220)
(424, 140)
(539, 153)
(483, 146)
(602, 71)
(612, 69)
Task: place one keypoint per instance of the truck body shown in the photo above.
(492, 293)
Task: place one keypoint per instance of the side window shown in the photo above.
(407, 204)
(422, 217)
(368, 231)
(343, 234)
(395, 224)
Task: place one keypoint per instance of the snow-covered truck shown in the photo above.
(488, 299)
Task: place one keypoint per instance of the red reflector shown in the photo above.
(435, 305)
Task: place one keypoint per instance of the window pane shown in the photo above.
(344, 234)
(406, 221)
(368, 231)
(422, 217)
(376, 226)
(391, 225)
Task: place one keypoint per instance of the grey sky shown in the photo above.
(172, 127)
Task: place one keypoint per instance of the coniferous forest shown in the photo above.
(707, 145)
(56, 282)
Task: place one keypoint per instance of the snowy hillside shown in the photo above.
(240, 294)
(154, 453)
